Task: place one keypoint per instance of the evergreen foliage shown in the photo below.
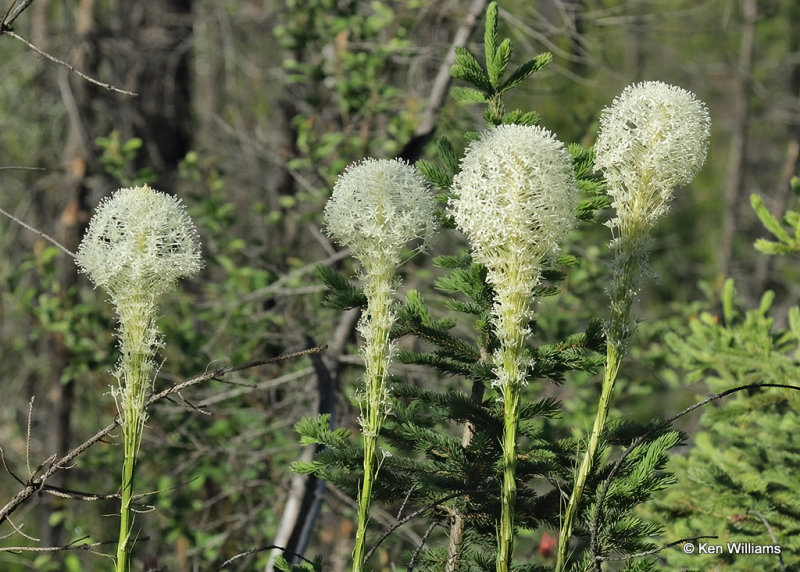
(454, 481)
(737, 482)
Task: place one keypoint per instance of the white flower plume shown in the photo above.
(515, 198)
(139, 241)
(377, 207)
(653, 138)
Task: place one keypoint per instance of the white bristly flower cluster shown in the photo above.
(653, 138)
(515, 197)
(377, 207)
(139, 241)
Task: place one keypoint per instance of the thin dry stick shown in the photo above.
(262, 549)
(77, 544)
(653, 551)
(7, 31)
(13, 13)
(47, 237)
(39, 483)
(411, 516)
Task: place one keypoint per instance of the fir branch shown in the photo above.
(617, 466)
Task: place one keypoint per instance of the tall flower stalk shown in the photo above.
(652, 139)
(377, 207)
(514, 200)
(139, 243)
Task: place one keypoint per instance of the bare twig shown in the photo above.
(47, 237)
(21, 168)
(77, 544)
(262, 549)
(13, 13)
(425, 536)
(411, 516)
(649, 552)
(38, 483)
(598, 558)
(28, 437)
(764, 520)
(7, 31)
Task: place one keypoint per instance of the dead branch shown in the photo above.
(38, 482)
(6, 28)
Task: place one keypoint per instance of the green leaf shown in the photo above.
(490, 35)
(769, 221)
(448, 154)
(525, 70)
(518, 117)
(434, 174)
(770, 247)
(468, 94)
(467, 68)
(728, 292)
(499, 64)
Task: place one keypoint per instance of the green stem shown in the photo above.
(626, 270)
(130, 445)
(377, 354)
(512, 317)
(612, 368)
(511, 399)
(135, 370)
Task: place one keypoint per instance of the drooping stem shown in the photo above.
(626, 271)
(375, 328)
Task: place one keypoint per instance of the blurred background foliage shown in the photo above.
(248, 111)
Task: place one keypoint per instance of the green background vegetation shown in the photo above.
(248, 111)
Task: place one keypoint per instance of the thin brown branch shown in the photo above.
(13, 13)
(47, 237)
(650, 552)
(262, 549)
(411, 516)
(55, 60)
(21, 168)
(39, 483)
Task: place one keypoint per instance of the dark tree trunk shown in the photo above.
(151, 55)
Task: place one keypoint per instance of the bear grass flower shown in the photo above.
(139, 243)
(652, 139)
(376, 208)
(515, 197)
